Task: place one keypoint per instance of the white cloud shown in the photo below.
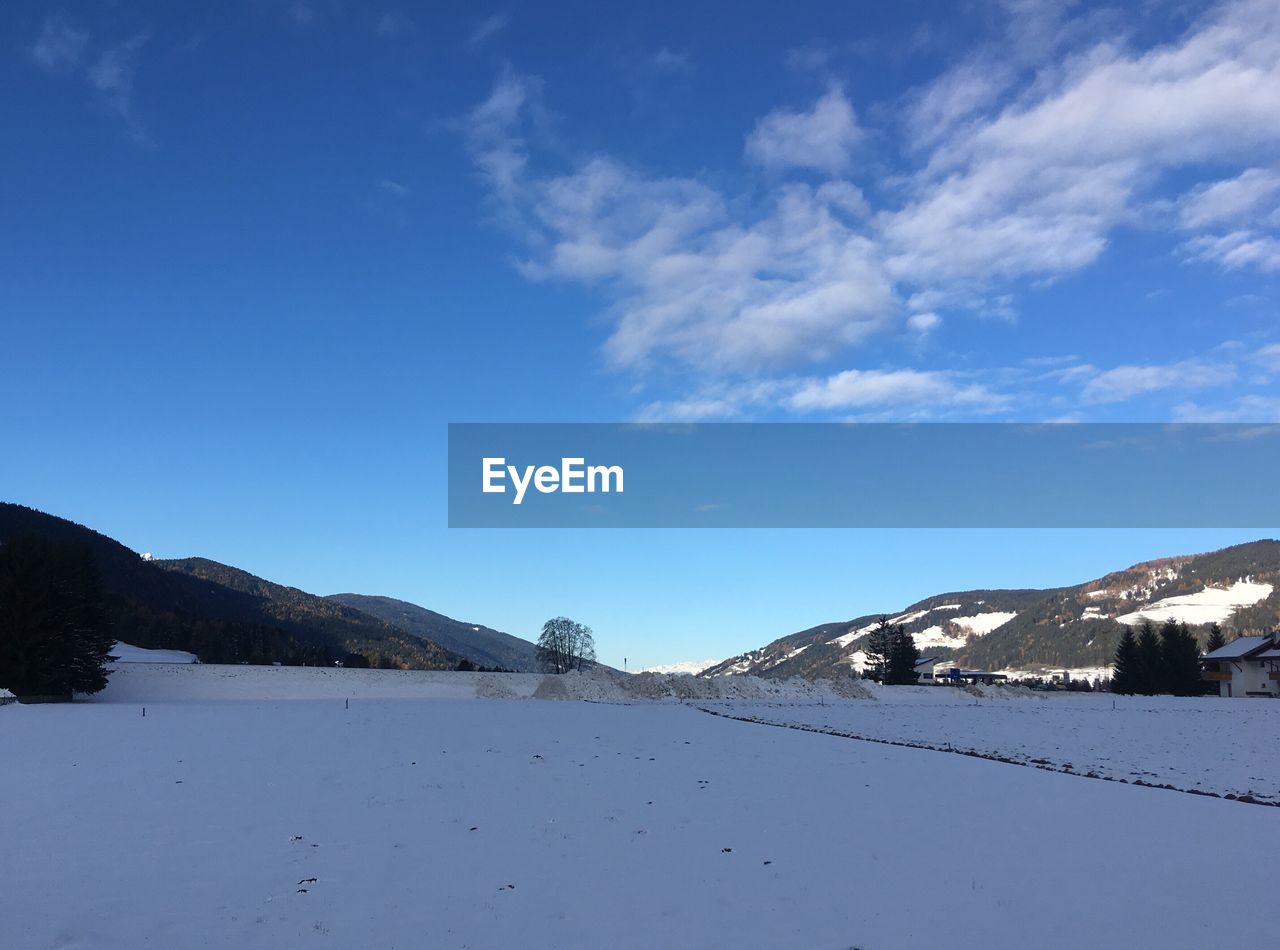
(1019, 179)
(902, 389)
(1037, 188)
(897, 394)
(689, 280)
(488, 28)
(59, 45)
(1232, 200)
(494, 133)
(667, 60)
(1238, 249)
(111, 77)
(1249, 408)
(823, 138)
(1125, 382)
(924, 322)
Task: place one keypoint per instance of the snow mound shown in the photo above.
(606, 686)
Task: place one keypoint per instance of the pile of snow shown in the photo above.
(1211, 605)
(128, 653)
(605, 686)
(157, 682)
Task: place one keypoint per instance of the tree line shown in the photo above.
(1164, 662)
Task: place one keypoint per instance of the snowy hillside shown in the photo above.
(1031, 630)
(1208, 605)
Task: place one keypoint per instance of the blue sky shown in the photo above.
(256, 255)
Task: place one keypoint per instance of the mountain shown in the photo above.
(223, 614)
(328, 620)
(1062, 627)
(479, 644)
(691, 667)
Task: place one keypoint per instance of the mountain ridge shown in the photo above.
(1075, 626)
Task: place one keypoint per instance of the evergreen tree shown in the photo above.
(1125, 677)
(1216, 639)
(1181, 660)
(55, 635)
(903, 657)
(878, 649)
(1150, 660)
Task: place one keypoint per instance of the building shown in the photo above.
(1249, 666)
(925, 668)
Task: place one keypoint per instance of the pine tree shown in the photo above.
(1125, 676)
(903, 657)
(1150, 660)
(1181, 660)
(55, 635)
(1216, 639)
(878, 649)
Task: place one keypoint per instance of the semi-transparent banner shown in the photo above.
(864, 475)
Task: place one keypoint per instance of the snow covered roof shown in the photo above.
(1238, 649)
(926, 660)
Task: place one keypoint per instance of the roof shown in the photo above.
(925, 660)
(1272, 654)
(1240, 648)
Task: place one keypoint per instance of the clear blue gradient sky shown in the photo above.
(256, 255)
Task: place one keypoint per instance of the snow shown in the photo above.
(128, 653)
(687, 666)
(1210, 605)
(421, 822)
(935, 636)
(981, 624)
(1237, 648)
(1200, 744)
(151, 683)
(845, 639)
(939, 639)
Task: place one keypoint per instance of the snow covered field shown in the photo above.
(439, 822)
(1201, 744)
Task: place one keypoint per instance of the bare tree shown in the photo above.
(565, 645)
